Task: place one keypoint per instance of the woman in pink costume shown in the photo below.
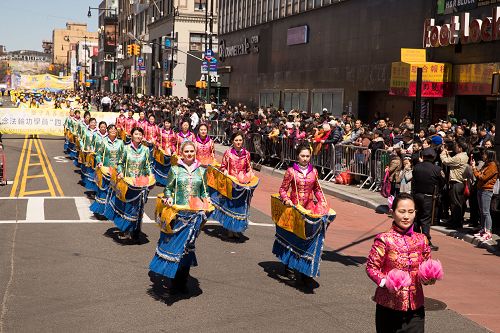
(403, 249)
(184, 135)
(205, 149)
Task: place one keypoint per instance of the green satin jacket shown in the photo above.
(135, 162)
(109, 152)
(181, 184)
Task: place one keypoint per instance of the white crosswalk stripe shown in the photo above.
(35, 211)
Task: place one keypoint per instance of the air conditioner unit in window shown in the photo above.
(195, 47)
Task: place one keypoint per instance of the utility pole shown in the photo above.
(208, 37)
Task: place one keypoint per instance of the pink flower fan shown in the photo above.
(430, 270)
(397, 279)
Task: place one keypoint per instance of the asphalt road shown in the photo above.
(63, 270)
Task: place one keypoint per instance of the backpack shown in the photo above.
(385, 189)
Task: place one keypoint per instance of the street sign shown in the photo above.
(168, 43)
(213, 66)
(140, 64)
(209, 54)
(115, 81)
(146, 49)
(106, 78)
(204, 67)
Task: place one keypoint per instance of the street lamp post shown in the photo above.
(175, 12)
(115, 13)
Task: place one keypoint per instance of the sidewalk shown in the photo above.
(373, 200)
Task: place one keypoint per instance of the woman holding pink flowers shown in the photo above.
(399, 263)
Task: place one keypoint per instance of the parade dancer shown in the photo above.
(302, 255)
(205, 148)
(120, 121)
(129, 124)
(68, 129)
(125, 203)
(151, 131)
(162, 154)
(175, 252)
(236, 162)
(399, 252)
(87, 139)
(142, 122)
(167, 139)
(184, 135)
(107, 156)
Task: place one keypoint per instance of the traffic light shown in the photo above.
(130, 49)
(201, 84)
(137, 49)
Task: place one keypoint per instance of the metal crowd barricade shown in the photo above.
(353, 159)
(254, 145)
(3, 167)
(322, 159)
(379, 161)
(213, 130)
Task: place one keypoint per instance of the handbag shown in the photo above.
(466, 188)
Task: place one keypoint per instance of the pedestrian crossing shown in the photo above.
(64, 210)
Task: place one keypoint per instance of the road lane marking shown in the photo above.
(83, 207)
(35, 209)
(35, 176)
(19, 167)
(36, 192)
(44, 168)
(25, 170)
(51, 170)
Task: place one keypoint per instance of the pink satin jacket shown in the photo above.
(205, 151)
(181, 137)
(402, 250)
(234, 161)
(151, 132)
(167, 140)
(304, 188)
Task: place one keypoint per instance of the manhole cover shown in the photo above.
(432, 304)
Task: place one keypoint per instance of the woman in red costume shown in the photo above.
(184, 134)
(167, 140)
(399, 250)
(205, 149)
(302, 178)
(236, 160)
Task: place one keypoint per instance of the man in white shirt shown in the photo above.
(105, 103)
(195, 119)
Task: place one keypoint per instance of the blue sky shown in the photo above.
(25, 23)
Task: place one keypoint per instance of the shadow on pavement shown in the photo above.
(217, 231)
(114, 234)
(161, 289)
(335, 256)
(277, 271)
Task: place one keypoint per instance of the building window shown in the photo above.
(200, 4)
(295, 100)
(269, 98)
(197, 42)
(332, 100)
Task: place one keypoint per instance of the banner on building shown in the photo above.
(41, 121)
(46, 81)
(455, 6)
(436, 79)
(474, 79)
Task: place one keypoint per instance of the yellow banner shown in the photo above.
(400, 75)
(41, 121)
(413, 55)
(46, 81)
(220, 182)
(431, 72)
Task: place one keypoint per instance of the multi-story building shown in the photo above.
(187, 22)
(148, 23)
(63, 39)
(338, 55)
(107, 72)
